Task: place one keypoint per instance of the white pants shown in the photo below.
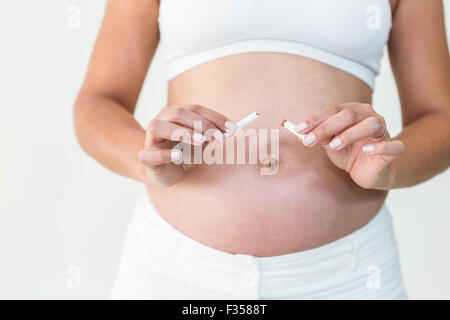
(160, 262)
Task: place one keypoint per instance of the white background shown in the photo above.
(59, 208)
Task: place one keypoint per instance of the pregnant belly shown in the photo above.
(306, 202)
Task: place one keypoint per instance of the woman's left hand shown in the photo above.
(356, 140)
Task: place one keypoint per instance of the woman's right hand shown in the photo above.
(172, 125)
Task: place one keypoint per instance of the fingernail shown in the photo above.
(336, 142)
(310, 138)
(230, 125)
(175, 155)
(368, 148)
(301, 126)
(198, 137)
(218, 135)
(141, 155)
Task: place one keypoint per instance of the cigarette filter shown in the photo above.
(244, 122)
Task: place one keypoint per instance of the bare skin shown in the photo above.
(319, 194)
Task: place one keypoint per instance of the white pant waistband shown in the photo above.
(154, 249)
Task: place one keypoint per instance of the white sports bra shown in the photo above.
(347, 34)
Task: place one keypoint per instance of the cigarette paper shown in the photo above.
(291, 127)
(244, 122)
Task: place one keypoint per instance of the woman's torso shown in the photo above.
(308, 202)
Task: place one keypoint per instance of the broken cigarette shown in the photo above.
(291, 127)
(243, 123)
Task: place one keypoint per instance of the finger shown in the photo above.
(333, 126)
(371, 127)
(159, 130)
(186, 118)
(316, 119)
(390, 149)
(160, 156)
(219, 120)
